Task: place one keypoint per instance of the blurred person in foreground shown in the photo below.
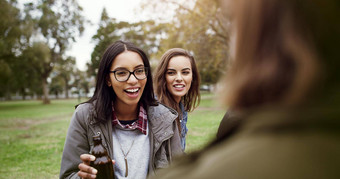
(284, 81)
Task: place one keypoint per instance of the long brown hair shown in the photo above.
(275, 59)
(192, 98)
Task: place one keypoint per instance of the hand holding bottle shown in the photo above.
(85, 170)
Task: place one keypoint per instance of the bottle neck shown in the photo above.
(97, 142)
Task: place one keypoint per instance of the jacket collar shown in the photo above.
(161, 120)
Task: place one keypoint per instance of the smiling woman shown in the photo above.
(127, 87)
(124, 112)
(178, 77)
(177, 85)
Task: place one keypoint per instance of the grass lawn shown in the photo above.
(32, 135)
(203, 123)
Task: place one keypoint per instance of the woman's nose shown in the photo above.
(179, 77)
(132, 79)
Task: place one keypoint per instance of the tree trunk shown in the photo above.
(23, 93)
(8, 94)
(46, 100)
(66, 90)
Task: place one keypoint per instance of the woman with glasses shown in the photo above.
(139, 134)
(177, 85)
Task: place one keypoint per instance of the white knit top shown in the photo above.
(138, 157)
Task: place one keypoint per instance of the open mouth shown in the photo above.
(132, 90)
(179, 86)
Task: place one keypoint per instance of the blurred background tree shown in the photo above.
(144, 34)
(103, 38)
(65, 70)
(56, 86)
(197, 26)
(33, 40)
(11, 32)
(35, 37)
(58, 23)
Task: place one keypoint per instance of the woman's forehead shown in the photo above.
(127, 59)
(179, 62)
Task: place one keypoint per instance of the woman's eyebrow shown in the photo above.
(119, 68)
(138, 66)
(123, 68)
(186, 69)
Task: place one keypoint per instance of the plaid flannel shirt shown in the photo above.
(140, 124)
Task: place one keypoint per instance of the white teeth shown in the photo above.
(132, 90)
(179, 86)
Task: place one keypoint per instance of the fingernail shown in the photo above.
(94, 171)
(92, 158)
(93, 176)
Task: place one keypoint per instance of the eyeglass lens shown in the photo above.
(123, 75)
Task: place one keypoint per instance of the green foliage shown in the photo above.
(198, 26)
(26, 62)
(81, 83)
(201, 30)
(10, 29)
(38, 56)
(35, 66)
(5, 74)
(103, 38)
(56, 86)
(84, 84)
(144, 34)
(59, 22)
(10, 33)
(64, 70)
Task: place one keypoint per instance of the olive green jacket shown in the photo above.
(164, 138)
(271, 143)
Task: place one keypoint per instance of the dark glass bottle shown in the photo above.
(103, 162)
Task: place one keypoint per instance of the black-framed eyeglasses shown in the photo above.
(122, 75)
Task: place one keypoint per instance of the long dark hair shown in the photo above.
(105, 95)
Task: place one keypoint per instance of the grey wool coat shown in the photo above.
(163, 131)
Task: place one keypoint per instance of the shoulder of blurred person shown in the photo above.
(229, 124)
(271, 143)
